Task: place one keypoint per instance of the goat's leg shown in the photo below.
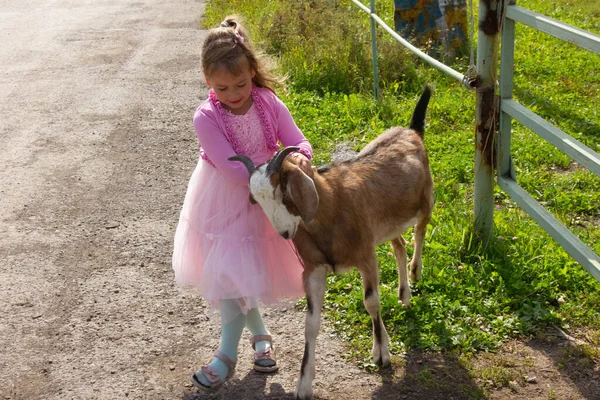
(370, 277)
(314, 287)
(416, 264)
(399, 246)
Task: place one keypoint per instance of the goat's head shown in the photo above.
(285, 193)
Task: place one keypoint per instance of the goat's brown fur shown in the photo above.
(346, 210)
(364, 202)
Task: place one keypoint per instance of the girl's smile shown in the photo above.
(233, 91)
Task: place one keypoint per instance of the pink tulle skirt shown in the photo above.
(226, 248)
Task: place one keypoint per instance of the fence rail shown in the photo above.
(558, 29)
(561, 140)
(571, 243)
(509, 109)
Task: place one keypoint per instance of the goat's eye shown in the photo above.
(252, 200)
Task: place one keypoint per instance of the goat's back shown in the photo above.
(381, 191)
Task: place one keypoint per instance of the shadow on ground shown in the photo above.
(252, 386)
(428, 376)
(576, 361)
(416, 376)
(548, 367)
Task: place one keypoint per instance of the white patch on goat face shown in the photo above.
(271, 201)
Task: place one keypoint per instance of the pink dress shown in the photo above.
(224, 246)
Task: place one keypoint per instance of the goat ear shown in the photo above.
(304, 194)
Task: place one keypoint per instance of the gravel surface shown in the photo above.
(96, 148)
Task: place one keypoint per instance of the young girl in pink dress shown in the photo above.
(224, 246)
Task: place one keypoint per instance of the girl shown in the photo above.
(225, 246)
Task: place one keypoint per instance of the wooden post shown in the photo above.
(485, 115)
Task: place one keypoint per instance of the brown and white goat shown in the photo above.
(337, 215)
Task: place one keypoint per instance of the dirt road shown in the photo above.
(96, 147)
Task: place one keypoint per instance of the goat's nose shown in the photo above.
(286, 234)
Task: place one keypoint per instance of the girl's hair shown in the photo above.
(228, 46)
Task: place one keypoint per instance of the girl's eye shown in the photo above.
(241, 85)
(222, 89)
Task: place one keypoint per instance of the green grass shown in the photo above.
(470, 299)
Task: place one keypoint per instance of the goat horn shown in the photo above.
(275, 163)
(246, 161)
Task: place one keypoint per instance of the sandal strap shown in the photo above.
(225, 359)
(263, 355)
(258, 338)
(210, 374)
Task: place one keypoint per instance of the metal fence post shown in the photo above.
(507, 60)
(374, 52)
(485, 115)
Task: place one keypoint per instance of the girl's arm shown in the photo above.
(288, 132)
(218, 149)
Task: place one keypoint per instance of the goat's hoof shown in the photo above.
(416, 271)
(304, 390)
(381, 358)
(404, 296)
(384, 361)
(415, 276)
(303, 396)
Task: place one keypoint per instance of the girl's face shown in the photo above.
(233, 91)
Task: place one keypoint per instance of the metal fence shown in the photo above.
(492, 147)
(510, 109)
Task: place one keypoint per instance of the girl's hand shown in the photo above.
(302, 162)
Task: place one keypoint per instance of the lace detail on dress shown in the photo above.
(269, 134)
(249, 132)
(229, 134)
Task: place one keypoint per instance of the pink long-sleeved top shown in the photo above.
(218, 141)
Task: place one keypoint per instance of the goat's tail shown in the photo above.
(418, 119)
